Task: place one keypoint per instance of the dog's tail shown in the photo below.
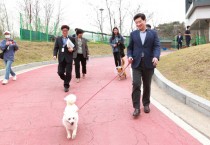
(70, 99)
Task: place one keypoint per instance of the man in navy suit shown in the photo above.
(143, 54)
(179, 40)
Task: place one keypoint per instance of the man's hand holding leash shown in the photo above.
(130, 60)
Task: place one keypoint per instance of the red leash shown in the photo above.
(102, 88)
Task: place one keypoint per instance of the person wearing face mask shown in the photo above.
(9, 47)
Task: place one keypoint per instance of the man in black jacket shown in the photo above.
(179, 40)
(188, 36)
(65, 56)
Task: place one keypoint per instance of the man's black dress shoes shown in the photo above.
(66, 89)
(146, 109)
(136, 112)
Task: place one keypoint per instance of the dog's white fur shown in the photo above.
(70, 117)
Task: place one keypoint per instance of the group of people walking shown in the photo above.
(143, 53)
(180, 38)
(78, 53)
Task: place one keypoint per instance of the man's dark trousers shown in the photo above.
(179, 45)
(64, 71)
(82, 59)
(145, 75)
(188, 42)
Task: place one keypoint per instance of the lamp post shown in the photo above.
(101, 9)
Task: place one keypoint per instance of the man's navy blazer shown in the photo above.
(179, 39)
(151, 48)
(66, 55)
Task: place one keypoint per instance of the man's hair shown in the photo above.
(79, 31)
(65, 27)
(148, 26)
(139, 15)
(75, 29)
(188, 27)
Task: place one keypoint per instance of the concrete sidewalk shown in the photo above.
(32, 109)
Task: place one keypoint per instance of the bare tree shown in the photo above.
(120, 16)
(25, 8)
(48, 11)
(110, 14)
(99, 21)
(36, 13)
(58, 16)
(2, 24)
(133, 12)
(4, 18)
(123, 13)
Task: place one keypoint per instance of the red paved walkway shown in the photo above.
(32, 108)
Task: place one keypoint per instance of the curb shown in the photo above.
(196, 102)
(28, 66)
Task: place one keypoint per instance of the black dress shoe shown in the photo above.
(146, 109)
(136, 112)
(66, 89)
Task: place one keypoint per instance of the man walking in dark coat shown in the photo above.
(65, 56)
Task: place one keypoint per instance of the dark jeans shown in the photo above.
(141, 74)
(64, 71)
(179, 45)
(82, 59)
(117, 59)
(188, 43)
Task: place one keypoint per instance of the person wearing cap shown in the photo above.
(65, 56)
(9, 47)
(81, 54)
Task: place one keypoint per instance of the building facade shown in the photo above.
(198, 17)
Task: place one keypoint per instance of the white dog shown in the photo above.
(70, 117)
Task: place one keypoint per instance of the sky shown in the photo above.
(82, 13)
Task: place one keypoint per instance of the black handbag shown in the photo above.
(2, 54)
(122, 47)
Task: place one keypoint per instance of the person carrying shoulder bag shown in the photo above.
(9, 47)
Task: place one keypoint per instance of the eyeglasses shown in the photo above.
(65, 30)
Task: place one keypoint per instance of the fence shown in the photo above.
(36, 31)
(101, 37)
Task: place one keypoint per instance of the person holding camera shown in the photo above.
(8, 46)
(117, 43)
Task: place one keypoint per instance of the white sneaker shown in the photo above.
(14, 78)
(4, 82)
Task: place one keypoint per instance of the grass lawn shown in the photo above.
(189, 68)
(42, 51)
